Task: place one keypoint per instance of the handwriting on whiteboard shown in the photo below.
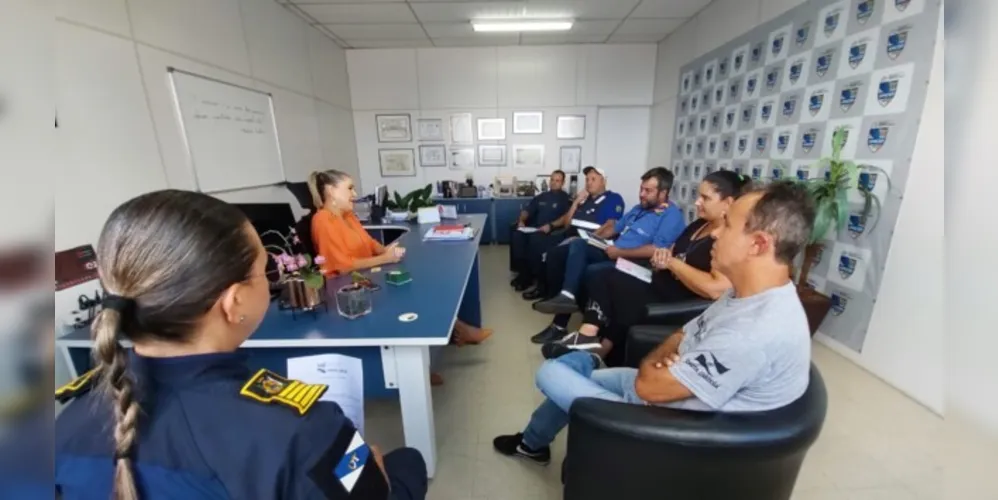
(249, 120)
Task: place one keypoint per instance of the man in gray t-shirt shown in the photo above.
(749, 351)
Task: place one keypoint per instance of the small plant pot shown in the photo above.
(301, 296)
(353, 301)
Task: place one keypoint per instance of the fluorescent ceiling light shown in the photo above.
(495, 26)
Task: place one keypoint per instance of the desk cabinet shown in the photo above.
(474, 206)
(507, 211)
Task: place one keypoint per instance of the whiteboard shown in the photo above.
(229, 132)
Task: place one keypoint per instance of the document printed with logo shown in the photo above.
(344, 376)
(640, 272)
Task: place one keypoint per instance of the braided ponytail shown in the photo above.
(117, 384)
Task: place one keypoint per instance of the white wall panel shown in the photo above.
(108, 15)
(206, 31)
(298, 124)
(277, 44)
(537, 76)
(337, 141)
(329, 70)
(622, 148)
(769, 9)
(619, 75)
(723, 20)
(383, 78)
(460, 77)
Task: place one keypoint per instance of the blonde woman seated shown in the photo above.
(346, 246)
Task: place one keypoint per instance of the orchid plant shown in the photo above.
(292, 264)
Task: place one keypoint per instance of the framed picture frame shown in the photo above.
(461, 158)
(430, 129)
(492, 155)
(394, 128)
(528, 156)
(460, 129)
(570, 160)
(432, 155)
(491, 129)
(528, 122)
(397, 162)
(572, 127)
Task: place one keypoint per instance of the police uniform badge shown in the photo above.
(867, 181)
(803, 174)
(700, 147)
(715, 120)
(703, 124)
(77, 387)
(877, 137)
(777, 174)
(268, 387)
(901, 5)
(896, 42)
(739, 61)
(789, 106)
(856, 225)
(686, 83)
(750, 84)
(682, 127)
(712, 146)
(686, 170)
(814, 104)
(742, 144)
(689, 148)
(839, 302)
(757, 52)
(709, 74)
(761, 143)
(802, 35)
(693, 103)
(348, 470)
(719, 95)
(777, 46)
(722, 67)
(729, 118)
(747, 113)
(848, 97)
(771, 78)
(864, 10)
(733, 90)
(620, 209)
(756, 173)
(726, 145)
(807, 140)
(847, 266)
(857, 52)
(765, 112)
(887, 90)
(831, 23)
(823, 63)
(796, 70)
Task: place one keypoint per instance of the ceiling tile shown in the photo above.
(359, 13)
(377, 31)
(431, 12)
(668, 8)
(580, 9)
(484, 40)
(646, 38)
(449, 30)
(340, 1)
(552, 39)
(649, 26)
(388, 44)
(603, 28)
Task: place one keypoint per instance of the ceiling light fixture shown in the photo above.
(498, 26)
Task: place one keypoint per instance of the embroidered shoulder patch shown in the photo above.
(268, 387)
(75, 388)
(620, 208)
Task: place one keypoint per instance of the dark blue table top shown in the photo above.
(439, 271)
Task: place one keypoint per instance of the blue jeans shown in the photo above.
(567, 378)
(587, 277)
(580, 256)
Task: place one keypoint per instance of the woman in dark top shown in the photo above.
(617, 300)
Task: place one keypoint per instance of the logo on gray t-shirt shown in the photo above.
(748, 354)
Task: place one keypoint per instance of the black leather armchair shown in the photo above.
(675, 313)
(622, 452)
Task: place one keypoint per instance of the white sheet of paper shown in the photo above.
(428, 215)
(581, 224)
(639, 272)
(344, 376)
(595, 240)
(527, 230)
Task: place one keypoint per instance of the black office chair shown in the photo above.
(623, 451)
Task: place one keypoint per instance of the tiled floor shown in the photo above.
(876, 444)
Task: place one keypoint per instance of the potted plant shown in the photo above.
(299, 274)
(831, 201)
(412, 202)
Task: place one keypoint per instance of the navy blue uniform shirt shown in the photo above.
(599, 209)
(547, 207)
(210, 428)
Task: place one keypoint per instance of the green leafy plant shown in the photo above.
(416, 199)
(831, 198)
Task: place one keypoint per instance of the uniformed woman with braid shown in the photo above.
(181, 415)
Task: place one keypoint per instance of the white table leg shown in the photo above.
(412, 364)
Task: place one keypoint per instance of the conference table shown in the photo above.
(395, 353)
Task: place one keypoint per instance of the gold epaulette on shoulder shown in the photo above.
(79, 386)
(268, 387)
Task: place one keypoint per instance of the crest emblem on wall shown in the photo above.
(814, 104)
(857, 52)
(856, 225)
(777, 46)
(848, 97)
(733, 89)
(823, 63)
(757, 52)
(782, 141)
(765, 112)
(901, 5)
(864, 10)
(789, 106)
(700, 147)
(708, 74)
(722, 67)
(839, 302)
(719, 96)
(867, 181)
(803, 174)
(795, 71)
(747, 113)
(739, 61)
(750, 84)
(807, 140)
(760, 144)
(776, 174)
(742, 144)
(896, 42)
(712, 146)
(703, 124)
(756, 173)
(847, 266)
(726, 145)
(802, 34)
(877, 138)
(831, 23)
(887, 90)
(771, 78)
(729, 118)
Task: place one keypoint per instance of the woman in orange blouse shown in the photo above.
(346, 246)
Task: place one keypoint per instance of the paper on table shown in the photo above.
(448, 211)
(640, 272)
(344, 376)
(582, 224)
(595, 241)
(527, 230)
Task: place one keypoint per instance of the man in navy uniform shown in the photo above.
(211, 428)
(542, 210)
(653, 223)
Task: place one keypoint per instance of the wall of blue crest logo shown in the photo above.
(766, 103)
